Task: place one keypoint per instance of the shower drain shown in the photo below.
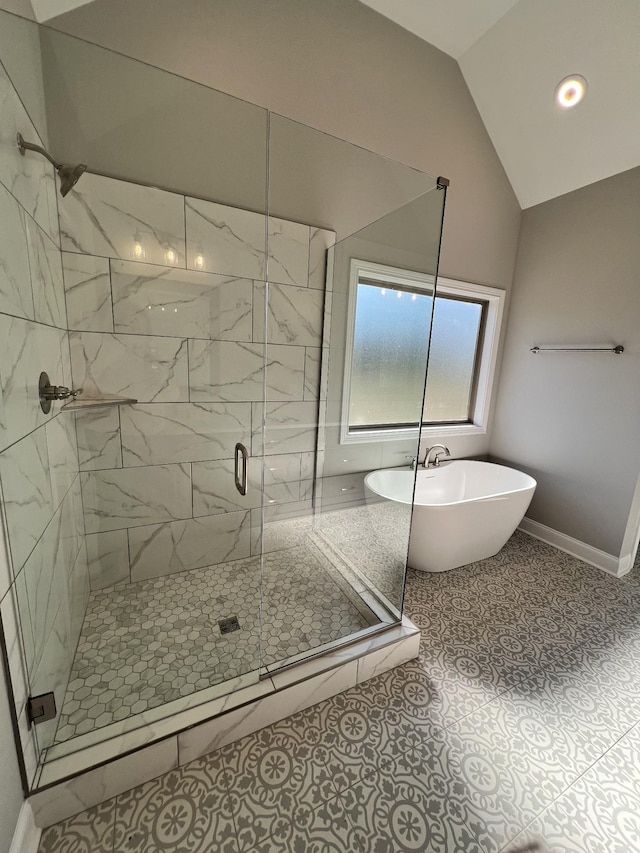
(229, 624)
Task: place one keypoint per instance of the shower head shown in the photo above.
(68, 175)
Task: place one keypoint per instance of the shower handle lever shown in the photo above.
(241, 452)
(48, 392)
(59, 392)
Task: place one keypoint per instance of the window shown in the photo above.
(386, 350)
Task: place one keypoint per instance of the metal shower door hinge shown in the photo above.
(41, 708)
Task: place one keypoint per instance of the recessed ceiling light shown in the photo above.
(570, 91)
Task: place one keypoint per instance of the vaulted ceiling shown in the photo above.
(512, 54)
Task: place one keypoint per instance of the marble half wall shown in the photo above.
(168, 303)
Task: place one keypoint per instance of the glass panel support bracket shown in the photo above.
(41, 708)
(442, 183)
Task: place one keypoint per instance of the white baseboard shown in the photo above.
(26, 838)
(600, 559)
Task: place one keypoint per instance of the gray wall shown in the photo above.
(572, 420)
(21, 56)
(340, 67)
(18, 7)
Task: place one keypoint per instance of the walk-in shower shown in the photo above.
(191, 524)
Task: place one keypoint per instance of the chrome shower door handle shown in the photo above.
(241, 479)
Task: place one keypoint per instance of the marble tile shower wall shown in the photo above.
(43, 571)
(165, 298)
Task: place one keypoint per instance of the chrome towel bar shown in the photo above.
(618, 349)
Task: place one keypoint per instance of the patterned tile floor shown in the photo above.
(517, 729)
(146, 644)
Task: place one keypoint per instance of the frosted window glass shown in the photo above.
(452, 358)
(389, 356)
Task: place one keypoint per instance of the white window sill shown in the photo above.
(448, 430)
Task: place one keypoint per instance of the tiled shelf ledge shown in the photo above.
(139, 756)
(97, 402)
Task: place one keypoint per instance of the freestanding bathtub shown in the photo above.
(464, 511)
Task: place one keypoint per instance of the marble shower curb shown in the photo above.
(141, 755)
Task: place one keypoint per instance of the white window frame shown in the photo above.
(493, 297)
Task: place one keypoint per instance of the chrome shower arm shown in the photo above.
(30, 146)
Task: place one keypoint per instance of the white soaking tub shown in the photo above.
(464, 511)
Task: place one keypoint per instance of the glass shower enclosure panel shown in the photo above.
(138, 579)
(335, 554)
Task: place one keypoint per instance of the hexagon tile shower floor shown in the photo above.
(143, 645)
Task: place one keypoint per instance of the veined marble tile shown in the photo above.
(45, 575)
(216, 733)
(15, 286)
(294, 315)
(30, 177)
(66, 758)
(52, 670)
(46, 277)
(343, 488)
(27, 348)
(281, 478)
(78, 597)
(290, 427)
(26, 485)
(72, 524)
(14, 622)
(88, 292)
(148, 369)
(288, 249)
(182, 545)
(182, 432)
(25, 623)
(226, 371)
(131, 497)
(285, 373)
(98, 432)
(156, 300)
(319, 242)
(221, 370)
(11, 624)
(229, 240)
(107, 558)
(95, 786)
(377, 661)
(63, 454)
(312, 373)
(6, 574)
(307, 465)
(326, 348)
(353, 458)
(108, 217)
(214, 487)
(306, 490)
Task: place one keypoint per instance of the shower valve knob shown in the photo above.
(49, 392)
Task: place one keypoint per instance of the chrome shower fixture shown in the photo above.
(68, 174)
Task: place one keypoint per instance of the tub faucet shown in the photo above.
(436, 459)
